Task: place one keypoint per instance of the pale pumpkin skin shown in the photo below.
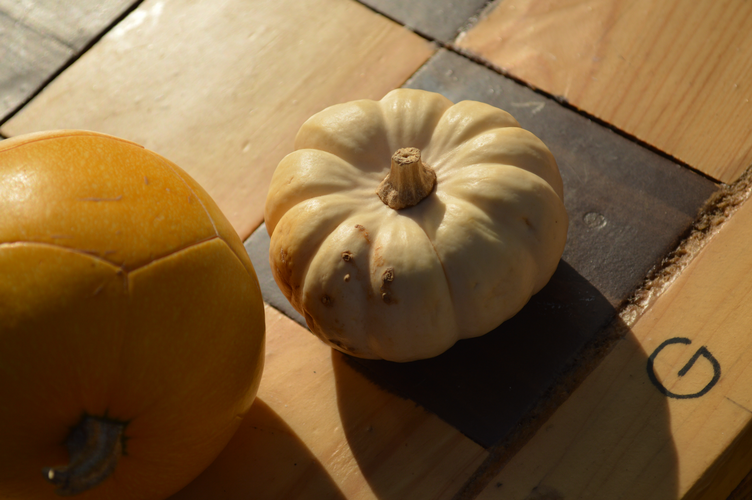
(125, 294)
(406, 284)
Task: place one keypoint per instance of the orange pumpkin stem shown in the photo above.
(95, 445)
(409, 180)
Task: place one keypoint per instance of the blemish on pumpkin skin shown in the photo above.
(363, 232)
(378, 259)
(347, 278)
(387, 277)
(327, 300)
(347, 256)
(117, 198)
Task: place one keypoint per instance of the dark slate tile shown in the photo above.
(628, 207)
(71, 22)
(440, 20)
(39, 37)
(28, 59)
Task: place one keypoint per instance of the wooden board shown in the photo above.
(221, 88)
(485, 386)
(676, 74)
(321, 430)
(668, 414)
(440, 20)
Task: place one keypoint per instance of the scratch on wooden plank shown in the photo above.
(535, 105)
(740, 406)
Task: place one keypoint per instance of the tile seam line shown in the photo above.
(98, 258)
(77, 54)
(469, 55)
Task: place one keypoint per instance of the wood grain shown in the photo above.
(321, 430)
(221, 88)
(684, 434)
(676, 74)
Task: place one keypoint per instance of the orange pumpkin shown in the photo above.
(131, 321)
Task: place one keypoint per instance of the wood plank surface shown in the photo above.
(320, 430)
(486, 386)
(676, 74)
(668, 414)
(221, 88)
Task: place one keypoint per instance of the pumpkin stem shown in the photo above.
(409, 180)
(95, 445)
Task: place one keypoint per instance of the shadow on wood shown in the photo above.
(264, 460)
(485, 386)
(611, 439)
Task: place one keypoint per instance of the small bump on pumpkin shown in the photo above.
(388, 275)
(386, 298)
(347, 256)
(347, 278)
(327, 300)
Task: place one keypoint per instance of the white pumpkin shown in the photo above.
(468, 226)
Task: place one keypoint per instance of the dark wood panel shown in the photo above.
(440, 20)
(628, 208)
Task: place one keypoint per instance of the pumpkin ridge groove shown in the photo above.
(176, 174)
(443, 270)
(79, 251)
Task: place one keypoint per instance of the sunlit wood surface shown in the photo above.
(676, 74)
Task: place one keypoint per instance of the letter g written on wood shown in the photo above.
(702, 351)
